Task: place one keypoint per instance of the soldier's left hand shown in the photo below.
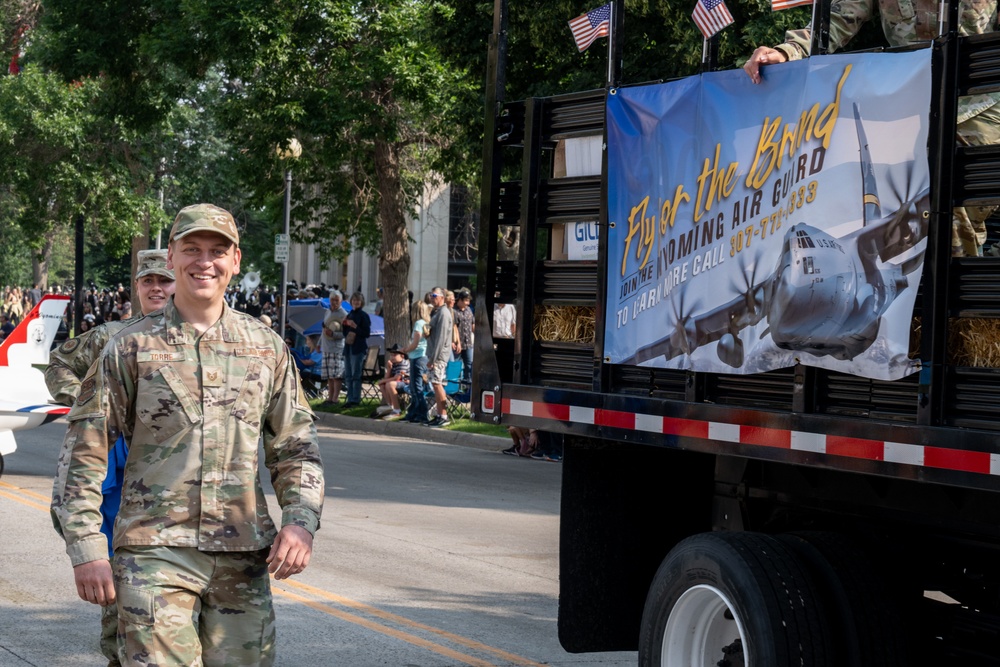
(290, 552)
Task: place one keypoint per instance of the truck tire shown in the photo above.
(733, 599)
(869, 625)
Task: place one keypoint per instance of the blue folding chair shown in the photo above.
(457, 390)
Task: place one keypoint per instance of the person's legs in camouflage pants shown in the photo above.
(109, 634)
(968, 229)
(180, 606)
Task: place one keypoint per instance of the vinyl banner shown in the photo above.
(753, 227)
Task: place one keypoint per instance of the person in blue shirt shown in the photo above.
(309, 362)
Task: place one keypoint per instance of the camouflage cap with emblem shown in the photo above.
(153, 261)
(204, 218)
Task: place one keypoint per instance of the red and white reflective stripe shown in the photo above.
(819, 443)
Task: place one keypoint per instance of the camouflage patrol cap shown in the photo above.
(153, 261)
(204, 218)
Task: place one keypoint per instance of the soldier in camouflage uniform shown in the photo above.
(68, 365)
(193, 389)
(908, 22)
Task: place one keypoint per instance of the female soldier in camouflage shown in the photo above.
(68, 364)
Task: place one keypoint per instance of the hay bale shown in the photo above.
(974, 342)
(565, 324)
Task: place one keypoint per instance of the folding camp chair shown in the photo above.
(371, 373)
(457, 391)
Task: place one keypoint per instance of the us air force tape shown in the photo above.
(87, 391)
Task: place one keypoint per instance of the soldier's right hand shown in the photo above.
(764, 55)
(94, 582)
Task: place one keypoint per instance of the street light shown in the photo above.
(287, 153)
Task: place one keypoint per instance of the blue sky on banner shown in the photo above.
(679, 159)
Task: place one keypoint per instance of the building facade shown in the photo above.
(443, 234)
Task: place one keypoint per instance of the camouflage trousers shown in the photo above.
(109, 634)
(180, 606)
(968, 229)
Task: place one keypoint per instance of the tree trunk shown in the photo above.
(394, 259)
(140, 242)
(40, 264)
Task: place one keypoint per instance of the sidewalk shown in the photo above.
(397, 429)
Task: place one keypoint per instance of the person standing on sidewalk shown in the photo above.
(194, 389)
(416, 351)
(68, 364)
(439, 354)
(466, 323)
(357, 328)
(332, 345)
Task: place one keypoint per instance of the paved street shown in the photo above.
(430, 554)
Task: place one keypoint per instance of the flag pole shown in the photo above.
(614, 45)
(710, 53)
(820, 42)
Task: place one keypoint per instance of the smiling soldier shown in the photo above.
(193, 389)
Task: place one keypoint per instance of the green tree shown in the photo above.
(58, 161)
(659, 42)
(360, 85)
(15, 267)
(370, 97)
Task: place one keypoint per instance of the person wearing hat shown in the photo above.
(193, 388)
(69, 363)
(397, 377)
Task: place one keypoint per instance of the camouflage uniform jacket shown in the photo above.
(904, 22)
(69, 363)
(193, 410)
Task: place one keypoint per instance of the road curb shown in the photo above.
(398, 429)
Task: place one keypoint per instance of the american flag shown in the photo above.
(588, 27)
(711, 16)
(788, 4)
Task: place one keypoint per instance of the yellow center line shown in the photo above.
(23, 501)
(402, 620)
(347, 602)
(27, 492)
(390, 632)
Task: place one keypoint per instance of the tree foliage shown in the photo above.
(360, 85)
(369, 96)
(384, 96)
(59, 160)
(659, 42)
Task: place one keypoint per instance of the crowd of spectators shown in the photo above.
(107, 304)
(442, 326)
(99, 305)
(442, 331)
(18, 302)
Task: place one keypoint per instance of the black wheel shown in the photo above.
(733, 600)
(1, 465)
(860, 606)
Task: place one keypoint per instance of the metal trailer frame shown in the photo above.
(654, 455)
